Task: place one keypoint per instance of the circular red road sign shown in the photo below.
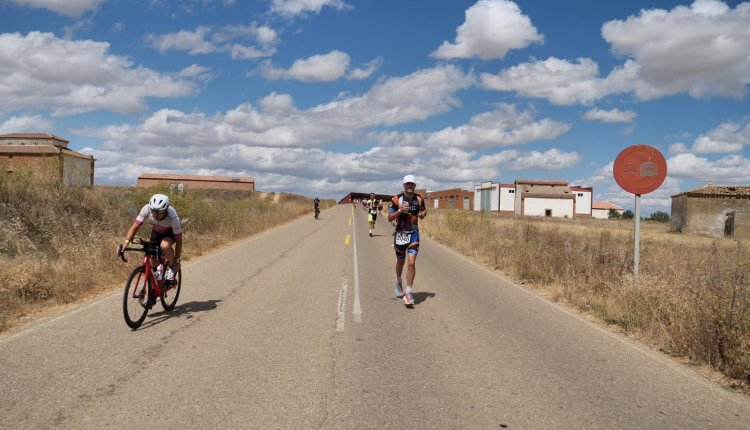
(640, 169)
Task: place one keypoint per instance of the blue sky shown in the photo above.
(323, 97)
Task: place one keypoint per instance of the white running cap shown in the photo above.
(410, 178)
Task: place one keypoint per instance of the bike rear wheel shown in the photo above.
(169, 297)
(136, 290)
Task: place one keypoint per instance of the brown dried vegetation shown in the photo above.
(57, 243)
(691, 299)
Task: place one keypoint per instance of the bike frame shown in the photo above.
(156, 285)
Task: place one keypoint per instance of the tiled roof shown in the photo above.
(537, 182)
(195, 178)
(718, 191)
(577, 188)
(34, 136)
(605, 206)
(40, 149)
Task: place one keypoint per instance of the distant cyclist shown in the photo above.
(317, 207)
(373, 205)
(166, 229)
(406, 210)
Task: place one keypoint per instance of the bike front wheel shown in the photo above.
(172, 293)
(136, 291)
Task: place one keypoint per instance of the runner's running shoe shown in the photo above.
(399, 291)
(408, 299)
(170, 274)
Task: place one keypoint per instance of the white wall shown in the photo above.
(494, 196)
(603, 213)
(583, 202)
(537, 206)
(507, 199)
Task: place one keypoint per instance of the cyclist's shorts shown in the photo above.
(412, 247)
(372, 217)
(158, 237)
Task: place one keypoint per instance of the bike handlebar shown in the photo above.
(137, 241)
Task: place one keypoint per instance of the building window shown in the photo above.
(580, 194)
(511, 191)
(548, 212)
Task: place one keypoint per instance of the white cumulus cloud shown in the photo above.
(552, 159)
(614, 115)
(207, 39)
(67, 7)
(319, 68)
(504, 126)
(292, 8)
(730, 169)
(40, 70)
(491, 29)
(26, 124)
(728, 137)
(702, 50)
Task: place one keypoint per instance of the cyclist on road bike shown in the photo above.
(407, 209)
(317, 207)
(373, 205)
(166, 229)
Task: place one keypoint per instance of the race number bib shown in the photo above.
(403, 238)
(373, 211)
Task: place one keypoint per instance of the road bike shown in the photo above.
(317, 212)
(145, 284)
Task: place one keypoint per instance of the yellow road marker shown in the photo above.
(347, 240)
(350, 220)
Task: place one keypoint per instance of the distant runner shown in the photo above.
(373, 205)
(407, 209)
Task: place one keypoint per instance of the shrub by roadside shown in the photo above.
(692, 298)
(57, 243)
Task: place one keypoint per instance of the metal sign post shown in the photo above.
(639, 169)
(637, 239)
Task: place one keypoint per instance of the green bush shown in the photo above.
(660, 216)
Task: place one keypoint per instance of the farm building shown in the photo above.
(48, 156)
(450, 199)
(584, 200)
(601, 210)
(713, 210)
(195, 181)
(544, 198)
(487, 197)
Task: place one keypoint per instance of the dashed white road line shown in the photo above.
(357, 308)
(342, 306)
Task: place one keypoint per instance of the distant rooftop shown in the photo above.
(605, 206)
(195, 178)
(718, 191)
(33, 136)
(538, 182)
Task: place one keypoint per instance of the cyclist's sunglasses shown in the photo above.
(158, 212)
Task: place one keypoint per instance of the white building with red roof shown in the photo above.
(601, 210)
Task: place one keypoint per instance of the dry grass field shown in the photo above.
(692, 298)
(58, 243)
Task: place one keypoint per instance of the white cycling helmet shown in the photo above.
(159, 203)
(410, 178)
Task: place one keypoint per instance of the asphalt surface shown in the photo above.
(286, 331)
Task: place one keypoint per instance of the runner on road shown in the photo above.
(373, 205)
(406, 209)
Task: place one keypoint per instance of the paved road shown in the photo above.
(285, 331)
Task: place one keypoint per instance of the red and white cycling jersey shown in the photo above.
(171, 222)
